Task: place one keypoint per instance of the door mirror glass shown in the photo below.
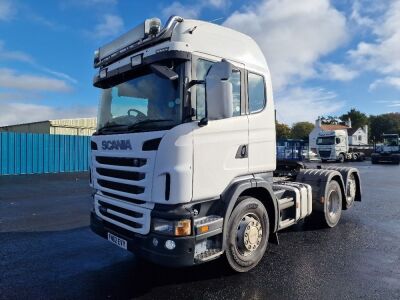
(337, 140)
(219, 94)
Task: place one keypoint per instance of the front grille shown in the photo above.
(127, 188)
(121, 210)
(121, 161)
(128, 216)
(324, 153)
(123, 195)
(115, 196)
(121, 174)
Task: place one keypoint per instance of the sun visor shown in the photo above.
(132, 36)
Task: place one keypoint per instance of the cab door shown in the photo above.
(262, 136)
(221, 147)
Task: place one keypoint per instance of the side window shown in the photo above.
(256, 88)
(202, 67)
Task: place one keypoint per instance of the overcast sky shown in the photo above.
(325, 56)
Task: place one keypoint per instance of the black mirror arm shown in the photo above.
(203, 122)
(195, 82)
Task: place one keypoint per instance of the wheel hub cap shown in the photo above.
(249, 234)
(333, 204)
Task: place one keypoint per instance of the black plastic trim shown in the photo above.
(126, 72)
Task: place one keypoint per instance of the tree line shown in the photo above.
(377, 125)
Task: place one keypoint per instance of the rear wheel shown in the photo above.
(247, 235)
(333, 204)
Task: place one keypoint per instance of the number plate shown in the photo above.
(117, 241)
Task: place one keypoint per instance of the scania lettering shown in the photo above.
(198, 179)
(118, 145)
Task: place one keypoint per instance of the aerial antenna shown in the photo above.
(217, 19)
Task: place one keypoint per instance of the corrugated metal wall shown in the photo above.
(33, 153)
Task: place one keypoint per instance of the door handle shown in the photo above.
(242, 152)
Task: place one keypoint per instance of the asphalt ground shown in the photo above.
(47, 251)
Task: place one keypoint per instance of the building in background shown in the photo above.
(81, 126)
(324, 127)
(358, 136)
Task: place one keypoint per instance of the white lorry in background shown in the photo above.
(183, 162)
(334, 145)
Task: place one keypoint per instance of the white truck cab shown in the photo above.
(183, 162)
(333, 145)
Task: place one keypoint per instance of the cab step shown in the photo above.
(208, 255)
(285, 203)
(278, 192)
(286, 223)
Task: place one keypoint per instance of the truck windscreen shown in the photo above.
(326, 140)
(391, 140)
(149, 101)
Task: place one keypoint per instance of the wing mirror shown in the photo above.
(218, 96)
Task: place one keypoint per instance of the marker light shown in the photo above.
(136, 60)
(103, 73)
(96, 56)
(203, 229)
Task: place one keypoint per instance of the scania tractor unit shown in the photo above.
(183, 162)
(333, 145)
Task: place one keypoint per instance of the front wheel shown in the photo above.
(333, 204)
(341, 158)
(247, 234)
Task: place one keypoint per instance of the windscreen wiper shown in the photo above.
(111, 126)
(136, 125)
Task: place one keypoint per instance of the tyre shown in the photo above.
(341, 158)
(355, 157)
(247, 234)
(333, 204)
(351, 190)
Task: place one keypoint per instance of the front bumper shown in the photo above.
(142, 245)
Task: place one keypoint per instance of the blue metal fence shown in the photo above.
(35, 153)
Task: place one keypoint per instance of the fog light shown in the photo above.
(170, 245)
(155, 242)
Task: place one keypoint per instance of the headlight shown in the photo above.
(172, 227)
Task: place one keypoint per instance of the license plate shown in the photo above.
(117, 241)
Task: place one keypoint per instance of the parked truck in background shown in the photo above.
(389, 151)
(183, 159)
(333, 145)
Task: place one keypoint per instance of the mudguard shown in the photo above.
(319, 179)
(232, 193)
(346, 172)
